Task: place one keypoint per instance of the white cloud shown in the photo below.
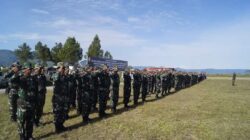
(39, 11)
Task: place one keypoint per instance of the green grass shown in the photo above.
(228, 75)
(212, 109)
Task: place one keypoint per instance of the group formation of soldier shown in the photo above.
(83, 89)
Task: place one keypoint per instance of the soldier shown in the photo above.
(72, 89)
(150, 80)
(169, 79)
(154, 83)
(144, 86)
(41, 92)
(96, 88)
(104, 85)
(158, 85)
(59, 98)
(79, 92)
(136, 86)
(115, 83)
(27, 98)
(13, 82)
(233, 79)
(164, 84)
(127, 88)
(67, 97)
(86, 95)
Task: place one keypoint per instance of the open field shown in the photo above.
(212, 109)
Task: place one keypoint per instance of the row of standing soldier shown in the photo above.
(83, 89)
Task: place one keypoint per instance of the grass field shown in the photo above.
(212, 109)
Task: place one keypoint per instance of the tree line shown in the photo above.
(70, 52)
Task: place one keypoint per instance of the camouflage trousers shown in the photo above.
(41, 96)
(86, 105)
(126, 95)
(136, 93)
(114, 97)
(72, 101)
(94, 97)
(158, 89)
(144, 93)
(79, 101)
(102, 98)
(25, 118)
(13, 96)
(60, 110)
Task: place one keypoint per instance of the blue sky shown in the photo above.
(170, 33)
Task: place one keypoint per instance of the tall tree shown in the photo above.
(71, 52)
(94, 49)
(55, 52)
(42, 52)
(23, 53)
(108, 55)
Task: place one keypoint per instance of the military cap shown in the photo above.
(38, 65)
(60, 64)
(104, 67)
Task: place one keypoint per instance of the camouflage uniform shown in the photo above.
(86, 96)
(158, 85)
(144, 87)
(136, 86)
(104, 85)
(95, 90)
(59, 99)
(115, 83)
(127, 88)
(41, 96)
(13, 82)
(27, 99)
(72, 90)
(79, 91)
(150, 80)
(164, 84)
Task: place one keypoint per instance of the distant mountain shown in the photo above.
(7, 57)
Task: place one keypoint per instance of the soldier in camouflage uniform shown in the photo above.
(79, 91)
(59, 98)
(95, 88)
(136, 86)
(144, 86)
(13, 81)
(27, 98)
(127, 88)
(158, 85)
(164, 85)
(72, 89)
(86, 95)
(150, 80)
(104, 85)
(67, 97)
(115, 83)
(41, 92)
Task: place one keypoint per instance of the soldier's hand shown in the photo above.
(15, 69)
